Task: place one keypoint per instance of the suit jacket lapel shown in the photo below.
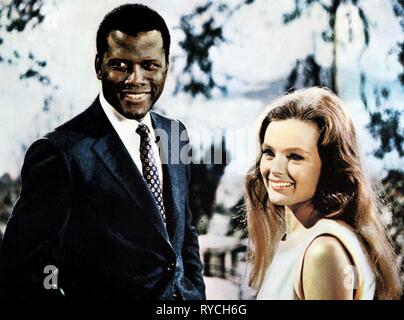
(173, 183)
(112, 152)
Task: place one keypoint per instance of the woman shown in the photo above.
(313, 219)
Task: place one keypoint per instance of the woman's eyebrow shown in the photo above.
(296, 149)
(288, 149)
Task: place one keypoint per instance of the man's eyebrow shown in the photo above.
(118, 59)
(150, 59)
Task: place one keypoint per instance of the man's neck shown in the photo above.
(106, 105)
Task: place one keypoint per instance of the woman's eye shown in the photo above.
(268, 153)
(295, 156)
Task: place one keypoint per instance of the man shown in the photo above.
(100, 207)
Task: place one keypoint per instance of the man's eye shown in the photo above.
(119, 65)
(295, 156)
(268, 153)
(148, 65)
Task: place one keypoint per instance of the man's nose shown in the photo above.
(136, 76)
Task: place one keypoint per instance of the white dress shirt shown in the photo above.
(126, 129)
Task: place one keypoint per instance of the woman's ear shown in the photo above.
(97, 65)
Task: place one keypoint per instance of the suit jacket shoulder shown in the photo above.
(89, 124)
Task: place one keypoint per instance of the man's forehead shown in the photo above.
(144, 38)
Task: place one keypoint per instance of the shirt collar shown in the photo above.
(120, 122)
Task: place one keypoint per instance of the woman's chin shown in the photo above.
(279, 200)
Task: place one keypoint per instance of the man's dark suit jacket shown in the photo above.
(86, 209)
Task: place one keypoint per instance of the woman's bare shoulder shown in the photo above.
(326, 267)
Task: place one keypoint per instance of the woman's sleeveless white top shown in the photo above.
(282, 279)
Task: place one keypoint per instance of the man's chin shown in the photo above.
(135, 112)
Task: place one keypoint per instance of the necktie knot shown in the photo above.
(143, 130)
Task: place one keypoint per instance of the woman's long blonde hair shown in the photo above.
(343, 192)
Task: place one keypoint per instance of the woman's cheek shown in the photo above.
(264, 170)
(293, 172)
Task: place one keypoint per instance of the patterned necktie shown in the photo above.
(150, 172)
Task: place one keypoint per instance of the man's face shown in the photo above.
(133, 71)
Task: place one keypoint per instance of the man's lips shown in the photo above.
(134, 91)
(135, 96)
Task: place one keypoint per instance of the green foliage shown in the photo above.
(385, 125)
(295, 14)
(30, 73)
(398, 8)
(385, 122)
(305, 6)
(365, 23)
(18, 15)
(328, 34)
(22, 12)
(393, 185)
(401, 60)
(9, 191)
(239, 218)
(198, 43)
(205, 179)
(197, 46)
(306, 73)
(198, 75)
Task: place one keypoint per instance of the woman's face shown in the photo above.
(290, 163)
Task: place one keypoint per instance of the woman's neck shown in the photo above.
(300, 217)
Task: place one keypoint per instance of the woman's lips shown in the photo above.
(280, 185)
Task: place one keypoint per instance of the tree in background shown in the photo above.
(385, 117)
(9, 191)
(205, 178)
(199, 38)
(203, 30)
(25, 15)
(329, 34)
(19, 16)
(384, 114)
(386, 120)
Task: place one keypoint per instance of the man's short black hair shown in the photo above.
(132, 19)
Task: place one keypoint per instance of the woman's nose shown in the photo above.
(278, 165)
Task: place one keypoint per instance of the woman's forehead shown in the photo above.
(292, 133)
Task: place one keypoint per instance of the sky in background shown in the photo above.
(259, 51)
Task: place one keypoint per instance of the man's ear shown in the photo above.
(97, 65)
(167, 68)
